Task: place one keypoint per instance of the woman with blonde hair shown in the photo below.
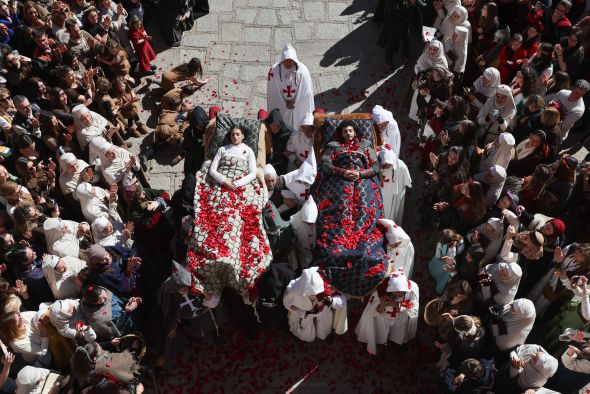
(26, 335)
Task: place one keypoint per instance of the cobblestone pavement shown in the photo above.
(237, 42)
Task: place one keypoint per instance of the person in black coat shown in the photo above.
(401, 17)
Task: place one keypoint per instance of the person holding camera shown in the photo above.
(495, 116)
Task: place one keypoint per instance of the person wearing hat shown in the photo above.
(61, 273)
(274, 184)
(310, 302)
(496, 114)
(391, 313)
(300, 143)
(399, 247)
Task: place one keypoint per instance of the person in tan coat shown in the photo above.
(171, 128)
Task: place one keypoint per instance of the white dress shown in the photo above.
(241, 151)
(300, 147)
(376, 328)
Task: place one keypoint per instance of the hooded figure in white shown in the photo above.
(94, 200)
(65, 315)
(389, 129)
(290, 89)
(486, 85)
(506, 278)
(498, 152)
(112, 233)
(457, 16)
(395, 177)
(538, 367)
(61, 274)
(86, 132)
(456, 49)
(519, 318)
(310, 309)
(300, 143)
(433, 55)
(391, 315)
(303, 225)
(61, 237)
(497, 113)
(31, 380)
(116, 164)
(399, 247)
(493, 231)
(70, 171)
(299, 181)
(494, 177)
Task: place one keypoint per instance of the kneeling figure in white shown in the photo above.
(391, 314)
(310, 306)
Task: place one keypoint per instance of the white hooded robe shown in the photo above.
(293, 85)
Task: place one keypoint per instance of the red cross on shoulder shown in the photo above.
(270, 74)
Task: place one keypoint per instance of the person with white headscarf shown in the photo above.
(70, 172)
(391, 313)
(489, 236)
(62, 236)
(457, 16)
(61, 273)
(299, 181)
(94, 200)
(395, 178)
(389, 129)
(300, 143)
(117, 165)
(310, 302)
(494, 177)
(456, 51)
(112, 233)
(433, 55)
(399, 247)
(31, 380)
(65, 316)
(499, 152)
(484, 87)
(90, 125)
(290, 88)
(517, 321)
(504, 278)
(496, 114)
(531, 366)
(303, 225)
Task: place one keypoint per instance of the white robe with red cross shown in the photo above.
(299, 147)
(397, 326)
(290, 86)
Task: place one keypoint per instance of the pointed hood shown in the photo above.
(289, 53)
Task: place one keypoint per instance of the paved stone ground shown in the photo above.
(237, 43)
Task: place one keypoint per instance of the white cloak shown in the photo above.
(64, 285)
(294, 86)
(300, 147)
(394, 181)
(377, 328)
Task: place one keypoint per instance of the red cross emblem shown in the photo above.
(385, 180)
(289, 90)
(304, 154)
(270, 74)
(305, 194)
